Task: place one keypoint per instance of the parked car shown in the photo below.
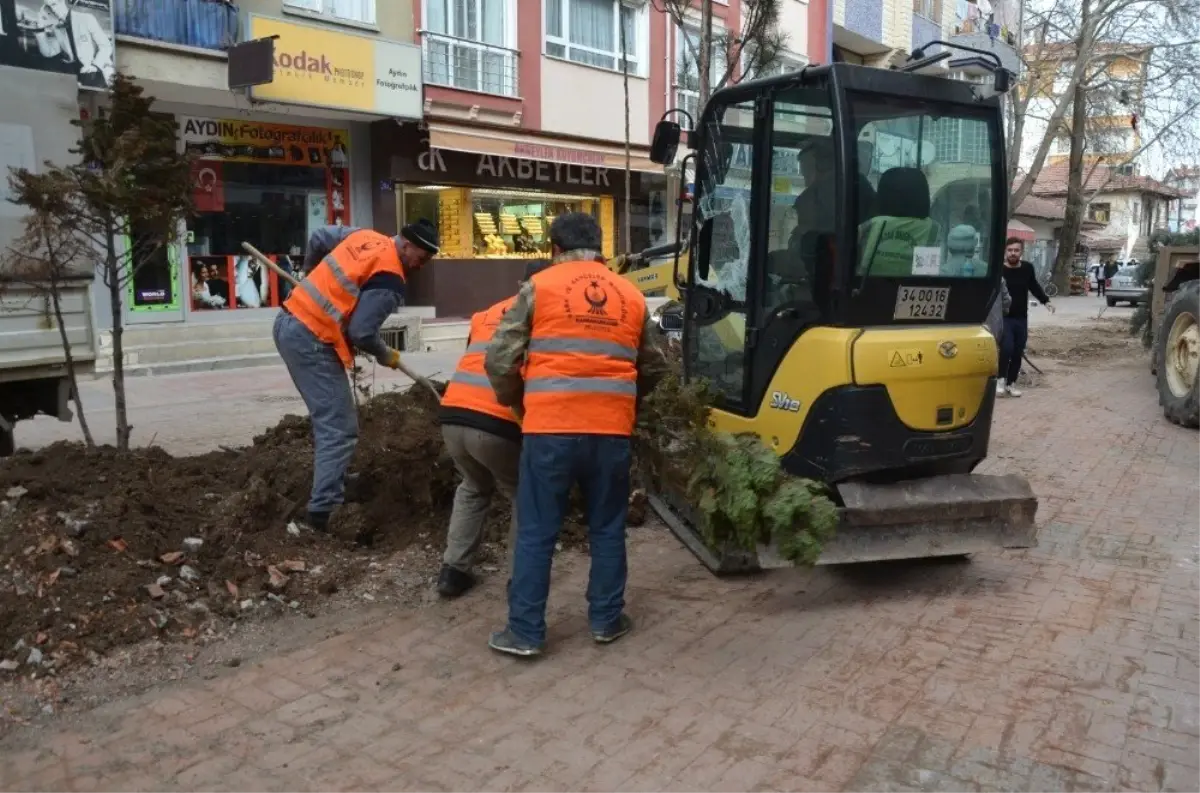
(1126, 286)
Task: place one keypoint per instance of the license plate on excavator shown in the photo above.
(922, 302)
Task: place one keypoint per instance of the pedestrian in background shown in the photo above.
(572, 355)
(1021, 280)
(355, 281)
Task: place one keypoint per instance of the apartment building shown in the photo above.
(523, 121)
(883, 33)
(1186, 213)
(276, 160)
(1113, 107)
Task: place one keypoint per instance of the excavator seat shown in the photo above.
(903, 223)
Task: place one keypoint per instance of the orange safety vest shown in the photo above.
(581, 367)
(325, 299)
(469, 388)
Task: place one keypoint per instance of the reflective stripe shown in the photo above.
(322, 302)
(467, 378)
(340, 276)
(479, 346)
(594, 385)
(588, 346)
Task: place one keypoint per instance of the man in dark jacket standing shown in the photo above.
(1021, 280)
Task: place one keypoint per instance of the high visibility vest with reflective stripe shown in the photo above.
(469, 388)
(325, 299)
(581, 368)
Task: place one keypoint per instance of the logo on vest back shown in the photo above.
(588, 302)
(596, 298)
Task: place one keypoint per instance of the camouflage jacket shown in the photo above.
(507, 350)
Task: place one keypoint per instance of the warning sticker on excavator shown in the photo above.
(901, 358)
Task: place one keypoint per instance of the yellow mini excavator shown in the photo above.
(842, 254)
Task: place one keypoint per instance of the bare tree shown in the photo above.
(124, 199)
(755, 44)
(1088, 62)
(47, 256)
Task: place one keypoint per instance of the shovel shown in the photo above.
(284, 274)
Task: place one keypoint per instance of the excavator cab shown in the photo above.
(848, 227)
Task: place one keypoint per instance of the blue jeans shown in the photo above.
(550, 465)
(321, 380)
(1012, 348)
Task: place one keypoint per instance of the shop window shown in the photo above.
(152, 286)
(468, 44)
(585, 31)
(273, 196)
(349, 10)
(499, 224)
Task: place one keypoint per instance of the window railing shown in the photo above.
(469, 65)
(207, 24)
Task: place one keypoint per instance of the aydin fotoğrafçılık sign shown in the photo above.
(325, 68)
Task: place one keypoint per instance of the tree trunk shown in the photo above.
(70, 361)
(113, 279)
(1073, 219)
(704, 64)
(626, 242)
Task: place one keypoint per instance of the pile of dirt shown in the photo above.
(1104, 338)
(99, 549)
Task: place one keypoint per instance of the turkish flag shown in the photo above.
(208, 189)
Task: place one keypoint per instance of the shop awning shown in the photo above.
(530, 147)
(1019, 230)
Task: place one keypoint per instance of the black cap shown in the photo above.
(422, 234)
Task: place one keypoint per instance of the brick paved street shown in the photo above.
(1072, 666)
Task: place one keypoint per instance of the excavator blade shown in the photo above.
(947, 515)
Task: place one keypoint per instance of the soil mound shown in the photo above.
(99, 548)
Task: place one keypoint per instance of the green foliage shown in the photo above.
(740, 491)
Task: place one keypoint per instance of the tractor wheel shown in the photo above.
(1177, 357)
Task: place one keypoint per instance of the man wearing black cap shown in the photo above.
(355, 280)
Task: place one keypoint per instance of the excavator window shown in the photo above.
(839, 196)
(919, 259)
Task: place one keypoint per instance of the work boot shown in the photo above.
(316, 522)
(624, 625)
(509, 643)
(453, 582)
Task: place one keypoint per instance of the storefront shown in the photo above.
(269, 184)
(272, 178)
(493, 198)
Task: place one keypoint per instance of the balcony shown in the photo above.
(981, 35)
(204, 24)
(469, 65)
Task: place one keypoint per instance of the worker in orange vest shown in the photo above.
(484, 438)
(573, 354)
(355, 281)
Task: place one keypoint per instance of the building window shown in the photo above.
(468, 44)
(782, 64)
(1100, 213)
(585, 31)
(348, 10)
(687, 71)
(490, 223)
(960, 142)
(930, 9)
